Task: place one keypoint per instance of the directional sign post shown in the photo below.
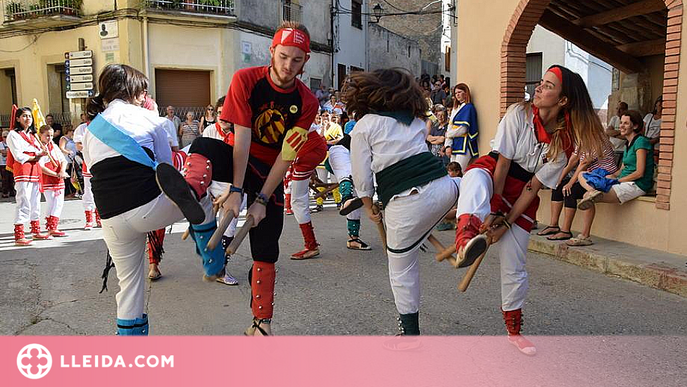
(79, 69)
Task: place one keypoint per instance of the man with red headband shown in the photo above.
(498, 200)
(271, 111)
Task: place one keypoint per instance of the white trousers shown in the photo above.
(216, 189)
(55, 202)
(322, 174)
(28, 202)
(409, 219)
(300, 200)
(463, 160)
(125, 236)
(476, 192)
(87, 198)
(340, 160)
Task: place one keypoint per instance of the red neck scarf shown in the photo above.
(545, 137)
(225, 136)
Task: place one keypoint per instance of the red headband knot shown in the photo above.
(292, 37)
(558, 73)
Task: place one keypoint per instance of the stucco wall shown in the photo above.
(550, 45)
(397, 53)
(349, 42)
(31, 62)
(638, 222)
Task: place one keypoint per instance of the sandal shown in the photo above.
(549, 230)
(350, 204)
(580, 240)
(154, 273)
(361, 245)
(553, 237)
(589, 199)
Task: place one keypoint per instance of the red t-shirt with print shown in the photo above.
(255, 102)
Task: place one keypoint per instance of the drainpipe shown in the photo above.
(146, 71)
(333, 8)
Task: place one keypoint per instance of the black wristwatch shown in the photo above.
(234, 188)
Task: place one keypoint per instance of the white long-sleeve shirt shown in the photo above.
(517, 141)
(147, 129)
(379, 142)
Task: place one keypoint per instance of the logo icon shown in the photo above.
(34, 361)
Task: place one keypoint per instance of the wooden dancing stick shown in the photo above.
(221, 228)
(380, 225)
(444, 252)
(240, 235)
(330, 188)
(186, 234)
(465, 282)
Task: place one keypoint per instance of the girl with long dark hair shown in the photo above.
(26, 150)
(498, 201)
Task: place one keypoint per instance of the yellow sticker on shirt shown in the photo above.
(294, 140)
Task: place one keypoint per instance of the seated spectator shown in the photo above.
(632, 181)
(613, 132)
(652, 124)
(569, 190)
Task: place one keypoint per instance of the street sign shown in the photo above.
(80, 86)
(78, 54)
(80, 78)
(78, 70)
(78, 62)
(79, 94)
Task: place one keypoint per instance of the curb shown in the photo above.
(658, 275)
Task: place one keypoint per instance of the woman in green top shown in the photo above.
(636, 176)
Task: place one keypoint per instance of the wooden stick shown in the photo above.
(223, 225)
(434, 241)
(444, 252)
(186, 234)
(465, 282)
(240, 235)
(324, 193)
(380, 226)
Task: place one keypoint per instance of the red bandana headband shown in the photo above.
(558, 73)
(292, 37)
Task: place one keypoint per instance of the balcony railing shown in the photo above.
(215, 7)
(290, 11)
(32, 9)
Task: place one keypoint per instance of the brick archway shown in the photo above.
(513, 60)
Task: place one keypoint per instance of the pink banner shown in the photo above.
(341, 361)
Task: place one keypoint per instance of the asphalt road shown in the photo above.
(52, 289)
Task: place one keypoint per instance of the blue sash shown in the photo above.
(121, 142)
